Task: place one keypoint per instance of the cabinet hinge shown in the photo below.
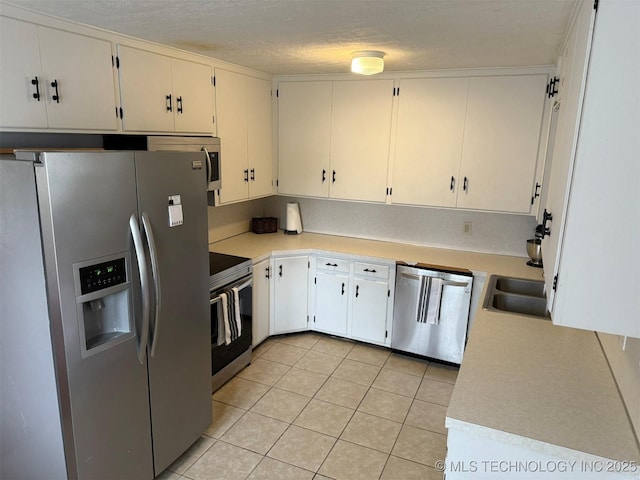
(555, 283)
(552, 87)
(213, 80)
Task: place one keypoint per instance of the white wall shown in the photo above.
(229, 220)
(491, 232)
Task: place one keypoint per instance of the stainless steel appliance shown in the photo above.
(210, 146)
(226, 273)
(105, 318)
(431, 311)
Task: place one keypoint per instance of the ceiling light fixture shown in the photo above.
(367, 62)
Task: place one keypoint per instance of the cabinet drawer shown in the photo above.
(332, 264)
(371, 270)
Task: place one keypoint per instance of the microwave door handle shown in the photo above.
(155, 271)
(209, 168)
(144, 286)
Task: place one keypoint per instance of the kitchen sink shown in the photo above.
(516, 295)
(532, 288)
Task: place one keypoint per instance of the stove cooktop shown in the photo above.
(225, 268)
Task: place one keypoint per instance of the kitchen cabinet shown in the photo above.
(164, 94)
(290, 294)
(596, 277)
(54, 79)
(261, 293)
(371, 303)
(360, 135)
(331, 286)
(304, 138)
(428, 148)
(334, 138)
(500, 147)
(243, 105)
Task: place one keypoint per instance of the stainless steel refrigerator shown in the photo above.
(104, 303)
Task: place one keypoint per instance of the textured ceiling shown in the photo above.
(317, 36)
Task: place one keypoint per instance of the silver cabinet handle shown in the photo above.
(144, 286)
(155, 271)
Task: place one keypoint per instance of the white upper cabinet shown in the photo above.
(428, 148)
(360, 134)
(333, 138)
(598, 285)
(574, 60)
(501, 138)
(193, 96)
(304, 138)
(22, 95)
(243, 106)
(55, 79)
(164, 94)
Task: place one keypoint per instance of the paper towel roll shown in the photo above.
(294, 222)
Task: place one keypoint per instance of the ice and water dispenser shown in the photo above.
(103, 300)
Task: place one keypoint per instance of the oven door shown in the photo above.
(223, 354)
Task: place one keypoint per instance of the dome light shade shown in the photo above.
(367, 62)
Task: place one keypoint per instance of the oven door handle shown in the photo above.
(215, 300)
(240, 287)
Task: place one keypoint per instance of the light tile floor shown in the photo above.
(312, 406)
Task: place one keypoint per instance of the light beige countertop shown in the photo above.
(256, 246)
(523, 381)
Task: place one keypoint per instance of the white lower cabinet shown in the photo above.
(290, 294)
(261, 301)
(331, 296)
(370, 300)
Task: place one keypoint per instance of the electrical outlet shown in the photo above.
(466, 228)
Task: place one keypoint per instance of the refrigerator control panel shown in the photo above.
(102, 275)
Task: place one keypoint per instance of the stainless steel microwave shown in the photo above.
(209, 146)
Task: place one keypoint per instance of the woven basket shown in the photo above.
(264, 224)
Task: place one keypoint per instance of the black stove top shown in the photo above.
(225, 268)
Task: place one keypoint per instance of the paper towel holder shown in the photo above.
(293, 221)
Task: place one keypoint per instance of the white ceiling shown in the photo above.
(318, 36)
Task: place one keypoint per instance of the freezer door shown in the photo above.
(171, 185)
(85, 202)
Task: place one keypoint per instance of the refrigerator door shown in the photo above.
(172, 185)
(85, 202)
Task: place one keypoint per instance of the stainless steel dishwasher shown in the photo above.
(431, 311)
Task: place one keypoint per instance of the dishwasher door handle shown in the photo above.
(445, 283)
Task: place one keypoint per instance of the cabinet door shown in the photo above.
(145, 84)
(369, 310)
(290, 294)
(19, 66)
(360, 134)
(501, 139)
(83, 70)
(259, 137)
(570, 100)
(231, 106)
(429, 136)
(261, 305)
(601, 291)
(332, 303)
(193, 92)
(304, 138)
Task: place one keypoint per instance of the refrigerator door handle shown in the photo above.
(144, 286)
(155, 272)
